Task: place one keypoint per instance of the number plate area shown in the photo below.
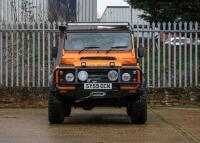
(93, 86)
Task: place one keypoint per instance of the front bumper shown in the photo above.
(76, 91)
(119, 90)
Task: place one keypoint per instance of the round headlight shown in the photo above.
(113, 75)
(126, 77)
(82, 75)
(69, 77)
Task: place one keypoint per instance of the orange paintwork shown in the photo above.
(138, 77)
(122, 57)
(66, 88)
(57, 76)
(128, 87)
(73, 58)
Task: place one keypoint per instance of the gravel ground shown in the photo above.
(100, 125)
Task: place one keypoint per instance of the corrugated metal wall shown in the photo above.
(116, 14)
(122, 14)
(86, 10)
(21, 11)
(14, 10)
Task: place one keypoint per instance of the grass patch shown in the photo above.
(150, 106)
(20, 106)
(159, 106)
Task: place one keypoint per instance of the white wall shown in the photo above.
(86, 10)
(122, 14)
(116, 14)
(11, 10)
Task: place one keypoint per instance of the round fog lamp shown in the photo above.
(69, 77)
(113, 75)
(126, 77)
(82, 75)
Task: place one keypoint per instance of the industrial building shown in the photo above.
(44, 10)
(122, 14)
(62, 10)
(86, 10)
(72, 10)
(23, 10)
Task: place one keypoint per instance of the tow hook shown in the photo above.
(97, 94)
(92, 94)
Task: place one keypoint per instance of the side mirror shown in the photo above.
(54, 52)
(140, 52)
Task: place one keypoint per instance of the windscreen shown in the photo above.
(98, 41)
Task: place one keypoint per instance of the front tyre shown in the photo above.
(56, 110)
(128, 111)
(138, 109)
(67, 110)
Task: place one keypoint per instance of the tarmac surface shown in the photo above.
(101, 125)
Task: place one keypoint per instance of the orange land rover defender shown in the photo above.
(97, 66)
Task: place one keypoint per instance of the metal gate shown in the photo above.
(171, 60)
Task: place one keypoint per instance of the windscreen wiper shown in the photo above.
(116, 47)
(88, 48)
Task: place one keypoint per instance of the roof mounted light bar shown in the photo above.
(99, 24)
(106, 24)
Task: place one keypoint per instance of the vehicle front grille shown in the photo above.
(97, 75)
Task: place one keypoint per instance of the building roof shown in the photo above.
(117, 7)
(113, 7)
(122, 14)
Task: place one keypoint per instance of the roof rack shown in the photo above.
(98, 24)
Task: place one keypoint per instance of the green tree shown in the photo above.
(168, 10)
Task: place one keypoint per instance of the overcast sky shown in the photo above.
(101, 4)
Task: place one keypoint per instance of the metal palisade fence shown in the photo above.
(171, 60)
(25, 53)
(172, 53)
